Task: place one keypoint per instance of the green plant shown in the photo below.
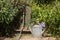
(50, 14)
(7, 11)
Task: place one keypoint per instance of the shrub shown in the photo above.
(8, 10)
(50, 14)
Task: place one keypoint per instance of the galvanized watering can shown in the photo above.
(37, 30)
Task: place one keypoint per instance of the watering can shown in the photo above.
(37, 30)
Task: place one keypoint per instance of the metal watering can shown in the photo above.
(37, 30)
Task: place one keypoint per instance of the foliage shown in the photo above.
(8, 10)
(50, 14)
(44, 1)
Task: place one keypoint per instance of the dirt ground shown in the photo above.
(28, 37)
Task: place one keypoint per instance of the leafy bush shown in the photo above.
(8, 10)
(44, 1)
(50, 14)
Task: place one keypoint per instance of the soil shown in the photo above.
(27, 37)
(30, 37)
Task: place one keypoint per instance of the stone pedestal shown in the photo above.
(27, 16)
